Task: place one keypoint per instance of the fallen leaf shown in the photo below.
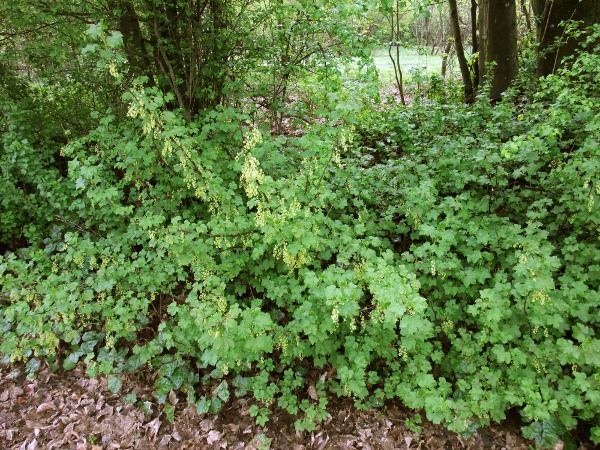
(16, 392)
(365, 433)
(173, 400)
(233, 428)
(30, 389)
(47, 406)
(176, 435)
(152, 427)
(207, 424)
(213, 436)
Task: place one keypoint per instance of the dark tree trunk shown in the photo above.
(498, 44)
(549, 14)
(135, 46)
(218, 49)
(474, 44)
(181, 45)
(460, 52)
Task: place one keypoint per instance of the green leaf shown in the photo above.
(216, 405)
(260, 442)
(262, 420)
(114, 383)
(169, 411)
(90, 48)
(222, 391)
(545, 433)
(115, 39)
(146, 407)
(94, 30)
(202, 405)
(71, 361)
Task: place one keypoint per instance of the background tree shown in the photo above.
(498, 43)
(474, 44)
(460, 52)
(187, 47)
(394, 14)
(554, 45)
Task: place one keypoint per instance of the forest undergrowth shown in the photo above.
(445, 255)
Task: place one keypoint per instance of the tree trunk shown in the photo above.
(498, 44)
(474, 44)
(135, 47)
(460, 52)
(395, 42)
(525, 12)
(549, 14)
(445, 57)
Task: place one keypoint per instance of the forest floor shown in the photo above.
(68, 410)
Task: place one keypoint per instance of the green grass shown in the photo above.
(411, 60)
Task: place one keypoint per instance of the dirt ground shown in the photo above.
(68, 410)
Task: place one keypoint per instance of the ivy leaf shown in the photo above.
(222, 391)
(545, 433)
(71, 361)
(215, 405)
(32, 367)
(169, 411)
(241, 383)
(202, 405)
(87, 347)
(114, 383)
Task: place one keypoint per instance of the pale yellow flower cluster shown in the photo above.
(252, 175)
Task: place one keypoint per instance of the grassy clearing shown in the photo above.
(411, 62)
(416, 66)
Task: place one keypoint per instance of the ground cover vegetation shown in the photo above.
(199, 190)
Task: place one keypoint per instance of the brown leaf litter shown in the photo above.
(68, 410)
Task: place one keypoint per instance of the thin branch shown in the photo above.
(75, 225)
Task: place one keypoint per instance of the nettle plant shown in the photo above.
(444, 255)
